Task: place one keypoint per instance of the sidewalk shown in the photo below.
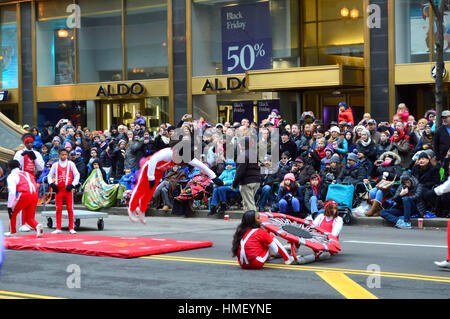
(237, 215)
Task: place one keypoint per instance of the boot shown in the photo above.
(375, 209)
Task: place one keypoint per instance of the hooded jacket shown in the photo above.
(391, 171)
(320, 193)
(415, 192)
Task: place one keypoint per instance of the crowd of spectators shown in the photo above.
(411, 153)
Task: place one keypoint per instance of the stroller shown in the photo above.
(200, 187)
(343, 195)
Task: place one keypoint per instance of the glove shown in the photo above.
(69, 187)
(218, 181)
(10, 212)
(54, 187)
(32, 155)
(151, 184)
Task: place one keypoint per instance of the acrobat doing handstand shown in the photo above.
(150, 175)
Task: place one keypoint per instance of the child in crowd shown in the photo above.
(253, 244)
(126, 179)
(289, 196)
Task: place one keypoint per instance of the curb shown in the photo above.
(237, 215)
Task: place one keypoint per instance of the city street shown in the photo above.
(375, 262)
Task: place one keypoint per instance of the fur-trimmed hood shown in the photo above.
(397, 159)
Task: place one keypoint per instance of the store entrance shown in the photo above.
(324, 104)
(119, 112)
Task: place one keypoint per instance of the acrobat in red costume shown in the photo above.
(256, 246)
(63, 177)
(22, 197)
(149, 177)
(439, 191)
(30, 161)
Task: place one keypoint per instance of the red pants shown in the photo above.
(59, 198)
(27, 204)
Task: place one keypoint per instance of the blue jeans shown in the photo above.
(392, 214)
(221, 193)
(314, 208)
(266, 195)
(284, 205)
(376, 194)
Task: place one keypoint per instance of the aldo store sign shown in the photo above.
(120, 89)
(231, 84)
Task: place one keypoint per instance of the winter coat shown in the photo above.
(383, 148)
(346, 116)
(106, 158)
(415, 192)
(290, 147)
(118, 161)
(246, 172)
(303, 175)
(352, 175)
(82, 169)
(402, 149)
(441, 142)
(133, 154)
(428, 176)
(393, 170)
(370, 151)
(227, 176)
(321, 194)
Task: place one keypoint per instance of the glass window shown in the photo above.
(146, 39)
(322, 45)
(100, 41)
(55, 48)
(8, 56)
(412, 26)
(268, 44)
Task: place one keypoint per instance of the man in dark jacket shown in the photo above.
(353, 173)
(442, 138)
(248, 175)
(426, 173)
(287, 145)
(81, 166)
(302, 171)
(407, 200)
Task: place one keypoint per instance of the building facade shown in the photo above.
(97, 62)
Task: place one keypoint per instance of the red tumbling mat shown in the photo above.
(107, 246)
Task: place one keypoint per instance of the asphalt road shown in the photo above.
(375, 262)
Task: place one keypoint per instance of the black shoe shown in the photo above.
(218, 181)
(213, 211)
(222, 208)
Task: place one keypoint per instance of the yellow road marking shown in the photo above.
(8, 297)
(302, 267)
(19, 294)
(345, 286)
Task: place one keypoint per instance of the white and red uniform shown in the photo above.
(329, 224)
(153, 170)
(29, 165)
(22, 196)
(255, 247)
(440, 190)
(63, 174)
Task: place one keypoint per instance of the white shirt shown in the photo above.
(338, 223)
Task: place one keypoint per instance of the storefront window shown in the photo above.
(74, 111)
(412, 31)
(55, 47)
(100, 41)
(146, 39)
(8, 55)
(322, 44)
(236, 36)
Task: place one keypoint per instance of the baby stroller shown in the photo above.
(200, 187)
(343, 195)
